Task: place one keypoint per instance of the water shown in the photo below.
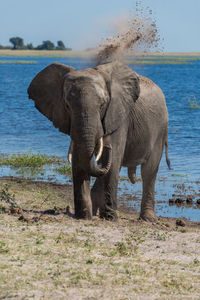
(23, 128)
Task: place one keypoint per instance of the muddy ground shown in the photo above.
(47, 254)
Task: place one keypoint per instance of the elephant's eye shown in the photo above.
(102, 109)
(67, 106)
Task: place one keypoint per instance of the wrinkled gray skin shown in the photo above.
(113, 102)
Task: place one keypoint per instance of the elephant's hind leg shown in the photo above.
(149, 172)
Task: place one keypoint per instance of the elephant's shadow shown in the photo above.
(32, 215)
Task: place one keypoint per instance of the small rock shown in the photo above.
(28, 219)
(189, 200)
(16, 210)
(179, 201)
(171, 201)
(180, 222)
(58, 210)
(198, 201)
(24, 218)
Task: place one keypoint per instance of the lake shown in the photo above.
(23, 128)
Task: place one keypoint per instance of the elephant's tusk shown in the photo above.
(100, 149)
(70, 151)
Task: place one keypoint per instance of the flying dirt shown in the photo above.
(136, 33)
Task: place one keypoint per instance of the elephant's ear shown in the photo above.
(46, 89)
(123, 86)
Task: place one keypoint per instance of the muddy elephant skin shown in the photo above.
(111, 112)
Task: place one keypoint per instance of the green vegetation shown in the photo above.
(18, 62)
(169, 60)
(27, 160)
(193, 102)
(65, 169)
(32, 165)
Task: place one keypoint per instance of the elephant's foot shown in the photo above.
(148, 215)
(109, 214)
(84, 214)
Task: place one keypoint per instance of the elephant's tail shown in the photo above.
(166, 154)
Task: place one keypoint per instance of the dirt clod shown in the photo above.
(171, 201)
(180, 222)
(180, 201)
(189, 200)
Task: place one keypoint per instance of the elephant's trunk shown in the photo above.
(85, 153)
(100, 170)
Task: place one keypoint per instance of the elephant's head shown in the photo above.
(87, 105)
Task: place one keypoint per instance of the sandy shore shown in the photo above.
(47, 254)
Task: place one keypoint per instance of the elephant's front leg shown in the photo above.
(109, 209)
(104, 195)
(104, 191)
(82, 199)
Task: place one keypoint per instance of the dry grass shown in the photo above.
(43, 53)
(58, 257)
(61, 53)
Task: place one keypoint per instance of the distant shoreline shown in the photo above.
(82, 54)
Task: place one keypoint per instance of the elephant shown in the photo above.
(110, 112)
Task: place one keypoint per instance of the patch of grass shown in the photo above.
(180, 175)
(29, 164)
(6, 196)
(177, 283)
(125, 178)
(170, 60)
(27, 160)
(3, 248)
(18, 62)
(159, 62)
(65, 169)
(193, 102)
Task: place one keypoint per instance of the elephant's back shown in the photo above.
(149, 88)
(151, 99)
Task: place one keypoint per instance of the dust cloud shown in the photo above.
(137, 33)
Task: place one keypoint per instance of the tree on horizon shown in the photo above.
(18, 43)
(46, 45)
(60, 45)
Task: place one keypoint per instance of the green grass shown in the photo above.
(166, 60)
(193, 102)
(18, 62)
(27, 160)
(65, 169)
(158, 62)
(32, 165)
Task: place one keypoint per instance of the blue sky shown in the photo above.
(84, 23)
